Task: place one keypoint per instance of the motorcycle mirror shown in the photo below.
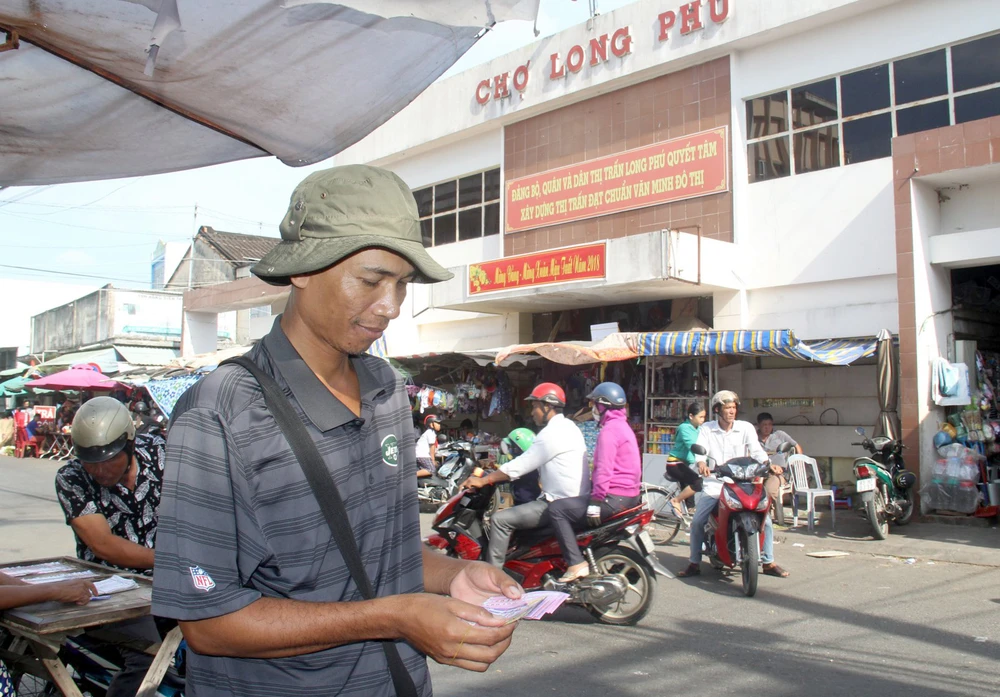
(442, 438)
(699, 449)
(785, 448)
(860, 431)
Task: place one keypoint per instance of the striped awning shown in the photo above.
(780, 342)
(628, 345)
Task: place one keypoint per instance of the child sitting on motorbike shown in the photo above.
(526, 487)
(427, 444)
(615, 480)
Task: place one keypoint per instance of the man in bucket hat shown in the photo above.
(245, 559)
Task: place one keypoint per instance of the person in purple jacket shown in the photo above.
(615, 480)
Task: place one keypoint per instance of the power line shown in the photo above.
(36, 271)
(85, 227)
(96, 200)
(68, 273)
(26, 194)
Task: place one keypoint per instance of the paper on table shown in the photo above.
(114, 584)
(49, 567)
(53, 578)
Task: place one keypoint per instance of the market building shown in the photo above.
(826, 167)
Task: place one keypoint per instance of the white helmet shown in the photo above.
(723, 397)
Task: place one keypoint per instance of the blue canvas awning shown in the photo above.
(780, 342)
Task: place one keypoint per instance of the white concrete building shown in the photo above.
(768, 152)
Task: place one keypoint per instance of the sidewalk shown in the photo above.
(922, 541)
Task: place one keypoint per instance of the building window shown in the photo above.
(464, 208)
(853, 117)
(128, 308)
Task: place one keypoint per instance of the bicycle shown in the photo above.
(665, 524)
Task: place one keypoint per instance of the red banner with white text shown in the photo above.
(673, 170)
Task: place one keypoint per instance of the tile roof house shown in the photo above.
(221, 257)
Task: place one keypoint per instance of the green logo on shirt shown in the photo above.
(390, 450)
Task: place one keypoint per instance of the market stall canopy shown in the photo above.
(78, 378)
(627, 345)
(99, 89)
(482, 357)
(13, 387)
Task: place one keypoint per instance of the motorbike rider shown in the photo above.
(559, 455)
(724, 439)
(615, 480)
(427, 444)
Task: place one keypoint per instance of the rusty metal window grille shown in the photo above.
(463, 208)
(852, 118)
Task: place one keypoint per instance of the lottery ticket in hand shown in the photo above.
(532, 606)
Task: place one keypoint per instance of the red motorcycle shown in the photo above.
(619, 589)
(734, 534)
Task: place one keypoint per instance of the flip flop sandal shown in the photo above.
(774, 570)
(678, 511)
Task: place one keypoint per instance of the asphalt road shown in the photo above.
(864, 624)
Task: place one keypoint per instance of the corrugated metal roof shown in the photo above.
(105, 358)
(147, 355)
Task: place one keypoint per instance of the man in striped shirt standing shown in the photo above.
(245, 559)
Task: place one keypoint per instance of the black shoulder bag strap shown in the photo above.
(325, 491)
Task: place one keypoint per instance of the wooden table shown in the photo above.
(39, 630)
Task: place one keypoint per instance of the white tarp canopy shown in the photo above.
(100, 89)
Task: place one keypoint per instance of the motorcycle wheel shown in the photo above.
(664, 526)
(638, 596)
(749, 560)
(908, 507)
(877, 516)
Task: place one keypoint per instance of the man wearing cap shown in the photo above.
(245, 559)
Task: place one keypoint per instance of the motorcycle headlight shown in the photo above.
(764, 503)
(731, 500)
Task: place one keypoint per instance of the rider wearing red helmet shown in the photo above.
(558, 454)
(427, 447)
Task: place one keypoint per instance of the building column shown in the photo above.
(199, 333)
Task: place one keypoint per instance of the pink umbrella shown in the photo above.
(79, 377)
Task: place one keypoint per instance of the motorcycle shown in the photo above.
(734, 533)
(623, 567)
(883, 484)
(459, 462)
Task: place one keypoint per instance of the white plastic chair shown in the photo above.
(800, 485)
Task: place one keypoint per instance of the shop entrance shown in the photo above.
(975, 295)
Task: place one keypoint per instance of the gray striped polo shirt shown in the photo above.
(238, 520)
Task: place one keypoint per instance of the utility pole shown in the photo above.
(191, 254)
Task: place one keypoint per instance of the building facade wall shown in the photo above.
(926, 326)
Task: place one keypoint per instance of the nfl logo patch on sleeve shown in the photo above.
(202, 581)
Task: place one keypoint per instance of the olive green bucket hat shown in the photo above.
(336, 212)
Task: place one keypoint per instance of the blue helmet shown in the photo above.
(610, 394)
(941, 439)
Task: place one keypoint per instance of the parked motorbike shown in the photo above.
(459, 461)
(619, 589)
(883, 484)
(734, 533)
